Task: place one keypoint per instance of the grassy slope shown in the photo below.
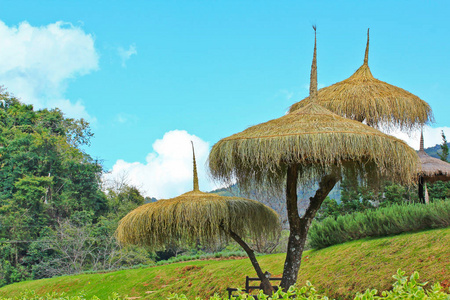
(339, 270)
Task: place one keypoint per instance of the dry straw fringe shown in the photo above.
(196, 217)
(317, 140)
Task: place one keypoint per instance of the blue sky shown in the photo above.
(152, 75)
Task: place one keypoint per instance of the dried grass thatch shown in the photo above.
(196, 217)
(315, 139)
(362, 97)
(433, 169)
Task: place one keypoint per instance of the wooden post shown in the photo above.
(421, 192)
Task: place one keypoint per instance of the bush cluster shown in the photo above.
(384, 221)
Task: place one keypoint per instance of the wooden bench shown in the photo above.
(248, 288)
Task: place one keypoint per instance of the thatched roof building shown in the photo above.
(433, 169)
(363, 97)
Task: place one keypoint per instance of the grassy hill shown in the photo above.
(338, 271)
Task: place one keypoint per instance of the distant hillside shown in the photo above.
(150, 199)
(433, 151)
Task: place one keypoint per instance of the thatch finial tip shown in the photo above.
(421, 140)
(196, 188)
(313, 78)
(366, 55)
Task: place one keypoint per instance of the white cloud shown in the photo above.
(123, 118)
(168, 170)
(431, 136)
(73, 110)
(36, 63)
(126, 54)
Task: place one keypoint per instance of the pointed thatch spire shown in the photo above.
(196, 188)
(421, 141)
(313, 78)
(363, 97)
(366, 55)
(314, 138)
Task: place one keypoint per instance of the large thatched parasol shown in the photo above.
(309, 143)
(363, 97)
(198, 216)
(433, 169)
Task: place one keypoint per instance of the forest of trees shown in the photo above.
(55, 216)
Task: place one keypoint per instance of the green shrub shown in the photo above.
(384, 221)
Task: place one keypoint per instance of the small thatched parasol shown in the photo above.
(433, 170)
(199, 217)
(362, 97)
(309, 143)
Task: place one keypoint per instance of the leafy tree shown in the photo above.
(444, 148)
(45, 178)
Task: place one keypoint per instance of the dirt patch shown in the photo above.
(225, 258)
(190, 268)
(445, 284)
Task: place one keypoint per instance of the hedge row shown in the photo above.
(385, 221)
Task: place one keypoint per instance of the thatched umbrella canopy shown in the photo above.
(309, 143)
(363, 97)
(198, 216)
(433, 170)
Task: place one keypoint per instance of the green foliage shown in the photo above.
(444, 148)
(45, 176)
(439, 190)
(407, 289)
(385, 221)
(47, 181)
(356, 197)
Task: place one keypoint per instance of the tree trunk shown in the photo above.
(265, 282)
(299, 226)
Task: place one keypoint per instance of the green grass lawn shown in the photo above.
(338, 271)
